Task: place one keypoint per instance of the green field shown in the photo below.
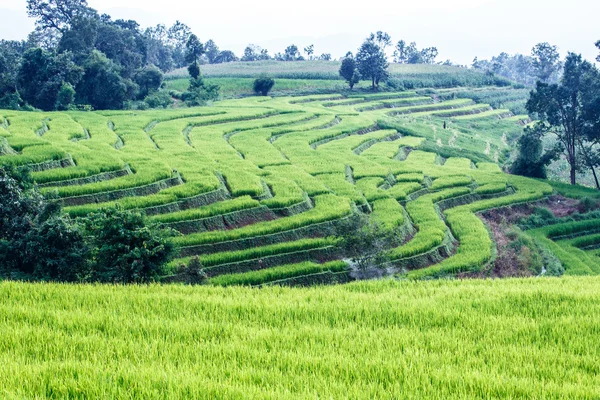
(264, 183)
(312, 77)
(530, 338)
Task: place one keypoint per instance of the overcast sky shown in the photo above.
(460, 29)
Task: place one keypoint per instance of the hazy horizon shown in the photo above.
(461, 31)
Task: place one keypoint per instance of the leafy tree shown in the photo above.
(545, 61)
(122, 42)
(102, 86)
(125, 248)
(80, 38)
(371, 62)
(212, 51)
(194, 50)
(263, 85)
(565, 109)
(66, 96)
(531, 160)
(199, 92)
(36, 241)
(325, 57)
(253, 52)
(194, 70)
(598, 46)
(225, 56)
(158, 50)
(365, 242)
(429, 54)
(291, 53)
(57, 14)
(349, 72)
(400, 55)
(177, 37)
(309, 50)
(383, 39)
(42, 75)
(148, 79)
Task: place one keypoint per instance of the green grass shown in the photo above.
(517, 338)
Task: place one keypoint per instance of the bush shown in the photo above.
(36, 241)
(263, 85)
(125, 249)
(199, 93)
(159, 99)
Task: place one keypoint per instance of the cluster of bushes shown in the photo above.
(39, 242)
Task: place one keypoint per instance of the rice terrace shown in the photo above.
(180, 222)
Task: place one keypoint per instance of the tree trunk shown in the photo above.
(573, 173)
(373, 82)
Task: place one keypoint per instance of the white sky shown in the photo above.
(460, 29)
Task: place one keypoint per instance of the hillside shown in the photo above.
(531, 338)
(313, 77)
(259, 187)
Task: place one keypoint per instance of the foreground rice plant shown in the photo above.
(525, 338)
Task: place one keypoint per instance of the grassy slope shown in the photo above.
(529, 338)
(305, 77)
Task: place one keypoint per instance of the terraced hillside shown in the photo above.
(258, 187)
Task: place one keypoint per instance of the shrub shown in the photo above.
(125, 249)
(263, 85)
(159, 99)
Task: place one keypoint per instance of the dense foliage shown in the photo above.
(38, 242)
(263, 85)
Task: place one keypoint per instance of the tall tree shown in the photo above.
(349, 72)
(309, 50)
(371, 62)
(211, 51)
(598, 46)
(545, 60)
(194, 50)
(400, 55)
(564, 110)
(42, 75)
(57, 14)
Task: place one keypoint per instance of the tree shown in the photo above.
(429, 54)
(263, 85)
(371, 62)
(291, 53)
(325, 57)
(545, 61)
(211, 51)
(149, 79)
(365, 242)
(400, 55)
(66, 97)
(177, 37)
(531, 160)
(36, 241)
(102, 86)
(80, 38)
(225, 56)
(125, 248)
(122, 42)
(349, 72)
(253, 52)
(194, 49)
(42, 75)
(199, 92)
(57, 14)
(383, 39)
(309, 50)
(565, 109)
(598, 46)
